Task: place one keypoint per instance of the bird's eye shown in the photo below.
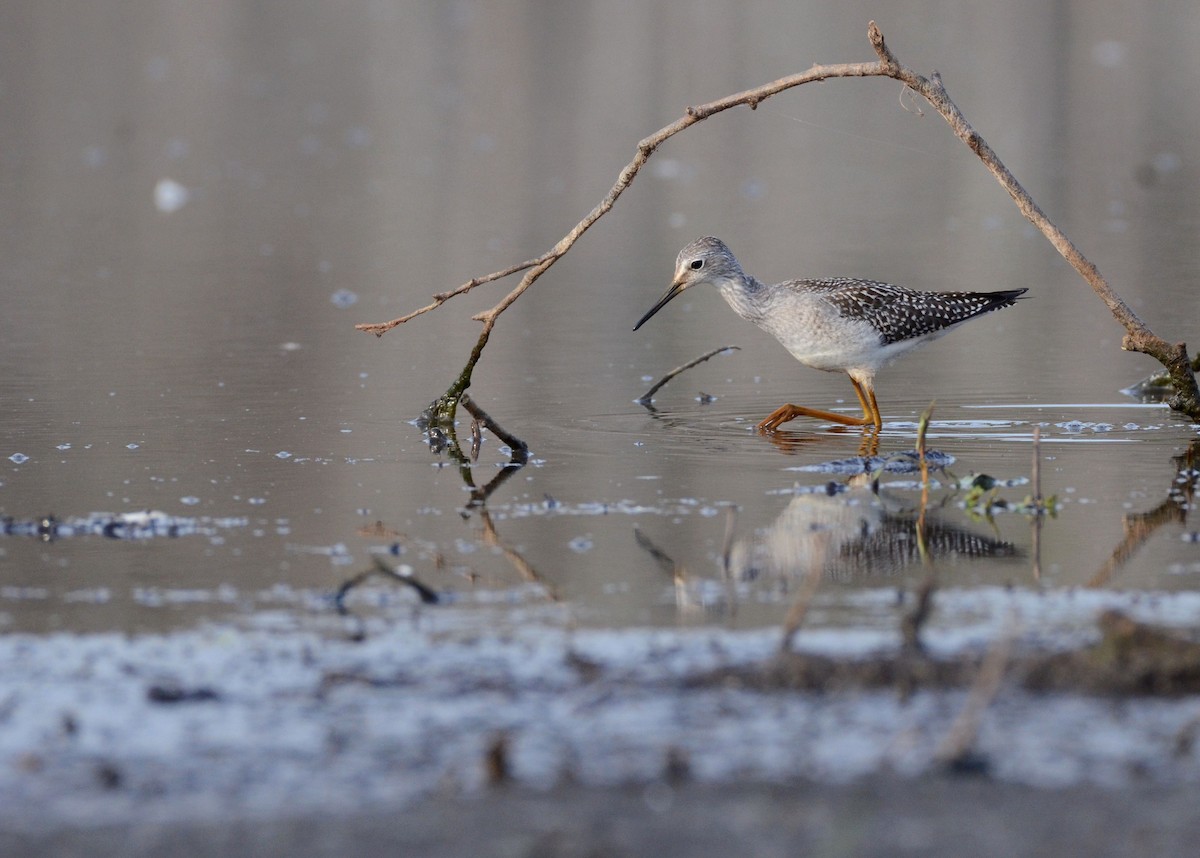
(697, 264)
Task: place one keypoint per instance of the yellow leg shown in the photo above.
(866, 398)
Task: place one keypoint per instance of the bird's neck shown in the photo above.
(744, 294)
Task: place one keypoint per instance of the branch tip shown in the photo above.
(880, 46)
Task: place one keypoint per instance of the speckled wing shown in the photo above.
(900, 314)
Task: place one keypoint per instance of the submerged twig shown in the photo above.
(1035, 468)
(425, 593)
(799, 609)
(1035, 474)
(922, 429)
(955, 749)
(923, 460)
(520, 450)
(731, 513)
(912, 622)
(664, 560)
(647, 397)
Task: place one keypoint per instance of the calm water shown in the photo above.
(201, 200)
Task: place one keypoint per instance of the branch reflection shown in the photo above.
(1138, 527)
(442, 437)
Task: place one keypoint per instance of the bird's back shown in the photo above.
(898, 313)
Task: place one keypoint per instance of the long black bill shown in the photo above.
(662, 302)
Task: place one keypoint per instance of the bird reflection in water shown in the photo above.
(849, 532)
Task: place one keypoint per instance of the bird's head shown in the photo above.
(705, 260)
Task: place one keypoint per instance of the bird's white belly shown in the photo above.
(815, 342)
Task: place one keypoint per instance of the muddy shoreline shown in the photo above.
(880, 815)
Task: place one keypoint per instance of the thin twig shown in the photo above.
(1039, 519)
(1036, 468)
(664, 560)
(731, 513)
(922, 429)
(381, 328)
(647, 397)
(956, 746)
(799, 610)
(912, 622)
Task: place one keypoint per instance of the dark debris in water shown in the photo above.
(906, 462)
(169, 693)
(148, 524)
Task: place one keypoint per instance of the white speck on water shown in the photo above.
(316, 112)
(290, 347)
(283, 454)
(256, 501)
(63, 446)
(157, 68)
(343, 298)
(673, 169)
(580, 544)
(1166, 162)
(133, 445)
(753, 189)
(170, 196)
(189, 500)
(484, 144)
(18, 458)
(357, 137)
(94, 595)
(177, 148)
(1109, 54)
(94, 156)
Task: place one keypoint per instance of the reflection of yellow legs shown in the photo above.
(866, 398)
